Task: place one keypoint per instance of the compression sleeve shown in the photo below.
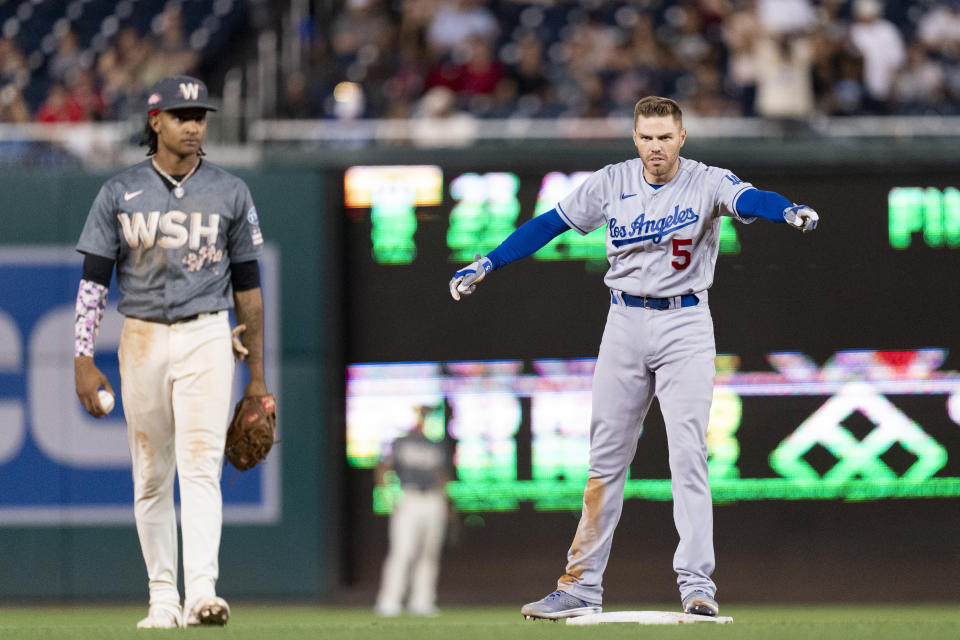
(762, 204)
(245, 275)
(91, 303)
(528, 238)
(97, 268)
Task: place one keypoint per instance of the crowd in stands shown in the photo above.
(787, 59)
(80, 86)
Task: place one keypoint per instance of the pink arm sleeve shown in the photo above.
(91, 303)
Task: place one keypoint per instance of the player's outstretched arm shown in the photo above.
(90, 307)
(772, 206)
(531, 236)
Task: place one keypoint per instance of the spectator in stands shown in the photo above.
(60, 106)
(12, 62)
(67, 60)
(919, 87)
(119, 70)
(741, 31)
(297, 102)
(172, 54)
(361, 34)
(13, 108)
(939, 29)
(527, 70)
(882, 48)
(476, 77)
(455, 22)
(847, 93)
(785, 77)
(83, 88)
(786, 16)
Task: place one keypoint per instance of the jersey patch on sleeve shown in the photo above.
(252, 217)
(733, 179)
(255, 236)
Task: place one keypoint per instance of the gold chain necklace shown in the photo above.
(178, 191)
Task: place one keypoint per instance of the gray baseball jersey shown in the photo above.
(173, 254)
(660, 242)
(420, 463)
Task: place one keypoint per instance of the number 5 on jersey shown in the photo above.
(683, 257)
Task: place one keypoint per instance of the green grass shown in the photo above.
(260, 622)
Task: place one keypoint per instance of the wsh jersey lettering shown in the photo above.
(141, 230)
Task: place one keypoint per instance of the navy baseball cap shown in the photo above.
(178, 92)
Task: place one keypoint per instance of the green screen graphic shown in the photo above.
(930, 212)
(487, 209)
(817, 455)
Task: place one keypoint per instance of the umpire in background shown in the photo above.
(184, 237)
(418, 521)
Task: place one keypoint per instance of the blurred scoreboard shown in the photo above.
(838, 375)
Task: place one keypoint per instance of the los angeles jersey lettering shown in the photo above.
(663, 242)
(173, 254)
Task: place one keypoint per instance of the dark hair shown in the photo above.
(654, 106)
(149, 140)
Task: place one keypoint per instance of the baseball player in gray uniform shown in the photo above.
(662, 214)
(184, 237)
(418, 521)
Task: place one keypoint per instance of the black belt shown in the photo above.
(195, 316)
(688, 300)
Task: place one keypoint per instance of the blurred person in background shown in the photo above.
(785, 76)
(297, 103)
(919, 87)
(362, 33)
(13, 108)
(939, 29)
(83, 88)
(881, 45)
(740, 32)
(119, 70)
(67, 61)
(418, 521)
(172, 54)
(455, 22)
(60, 106)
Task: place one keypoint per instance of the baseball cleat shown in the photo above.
(557, 605)
(211, 612)
(700, 603)
(161, 617)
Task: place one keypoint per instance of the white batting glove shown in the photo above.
(801, 217)
(465, 280)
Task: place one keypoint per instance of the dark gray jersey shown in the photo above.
(173, 254)
(420, 463)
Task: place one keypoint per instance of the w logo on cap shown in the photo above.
(190, 90)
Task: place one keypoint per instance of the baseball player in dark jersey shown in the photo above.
(418, 521)
(662, 214)
(184, 238)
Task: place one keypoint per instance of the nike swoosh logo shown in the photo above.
(624, 196)
(127, 195)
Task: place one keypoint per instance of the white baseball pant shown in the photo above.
(417, 528)
(646, 352)
(176, 384)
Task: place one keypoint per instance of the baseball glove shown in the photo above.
(252, 430)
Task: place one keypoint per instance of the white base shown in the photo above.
(647, 617)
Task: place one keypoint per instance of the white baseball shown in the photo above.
(106, 400)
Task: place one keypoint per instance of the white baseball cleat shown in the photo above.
(161, 617)
(209, 612)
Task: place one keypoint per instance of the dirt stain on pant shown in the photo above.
(588, 531)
